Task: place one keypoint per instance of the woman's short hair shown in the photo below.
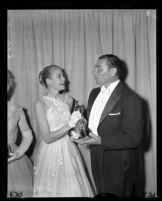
(46, 73)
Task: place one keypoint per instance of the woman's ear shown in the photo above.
(48, 81)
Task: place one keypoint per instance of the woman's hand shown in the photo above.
(74, 135)
(14, 156)
(75, 116)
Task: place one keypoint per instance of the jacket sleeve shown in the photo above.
(131, 131)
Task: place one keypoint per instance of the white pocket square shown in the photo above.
(111, 114)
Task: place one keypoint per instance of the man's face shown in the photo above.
(102, 73)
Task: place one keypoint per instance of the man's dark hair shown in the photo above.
(113, 62)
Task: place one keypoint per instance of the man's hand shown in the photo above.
(92, 139)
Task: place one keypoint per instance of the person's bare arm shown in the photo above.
(26, 138)
(48, 136)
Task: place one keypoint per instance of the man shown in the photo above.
(116, 123)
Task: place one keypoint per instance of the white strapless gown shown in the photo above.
(58, 168)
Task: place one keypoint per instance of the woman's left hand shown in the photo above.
(13, 157)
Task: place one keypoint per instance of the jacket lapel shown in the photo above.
(115, 96)
(96, 92)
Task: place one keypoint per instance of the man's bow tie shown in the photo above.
(104, 90)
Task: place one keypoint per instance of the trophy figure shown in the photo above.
(80, 131)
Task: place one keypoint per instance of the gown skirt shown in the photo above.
(20, 178)
(59, 171)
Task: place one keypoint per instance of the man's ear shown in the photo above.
(113, 71)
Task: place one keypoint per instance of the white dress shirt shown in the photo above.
(99, 105)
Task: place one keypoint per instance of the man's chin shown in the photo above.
(98, 83)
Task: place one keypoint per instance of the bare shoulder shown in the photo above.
(39, 105)
(68, 99)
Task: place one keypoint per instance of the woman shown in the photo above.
(58, 169)
(19, 165)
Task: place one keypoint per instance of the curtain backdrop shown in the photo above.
(74, 39)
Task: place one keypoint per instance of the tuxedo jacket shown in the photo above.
(115, 163)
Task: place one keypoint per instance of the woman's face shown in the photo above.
(57, 80)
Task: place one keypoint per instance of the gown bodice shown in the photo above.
(57, 112)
